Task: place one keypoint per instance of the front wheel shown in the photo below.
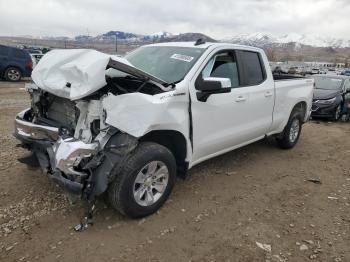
(145, 182)
(291, 133)
(337, 113)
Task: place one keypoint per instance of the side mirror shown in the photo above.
(211, 85)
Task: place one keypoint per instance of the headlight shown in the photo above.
(326, 102)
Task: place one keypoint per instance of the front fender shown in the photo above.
(138, 114)
(110, 159)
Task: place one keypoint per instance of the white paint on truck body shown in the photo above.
(222, 123)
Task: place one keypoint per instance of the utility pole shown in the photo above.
(116, 44)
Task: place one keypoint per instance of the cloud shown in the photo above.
(219, 19)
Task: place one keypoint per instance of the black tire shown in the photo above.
(337, 113)
(284, 140)
(13, 74)
(121, 190)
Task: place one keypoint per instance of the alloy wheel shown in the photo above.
(294, 130)
(150, 183)
(13, 75)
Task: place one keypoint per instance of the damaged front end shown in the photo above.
(88, 112)
(71, 142)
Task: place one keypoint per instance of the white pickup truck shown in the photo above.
(128, 126)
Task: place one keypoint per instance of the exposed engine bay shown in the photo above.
(61, 112)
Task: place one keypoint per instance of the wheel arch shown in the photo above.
(302, 107)
(175, 141)
(15, 66)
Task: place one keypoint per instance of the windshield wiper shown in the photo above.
(173, 84)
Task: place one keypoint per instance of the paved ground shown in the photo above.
(256, 194)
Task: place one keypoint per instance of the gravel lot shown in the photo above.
(257, 194)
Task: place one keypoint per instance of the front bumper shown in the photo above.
(321, 110)
(31, 131)
(58, 157)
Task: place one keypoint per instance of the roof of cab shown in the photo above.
(204, 45)
(184, 44)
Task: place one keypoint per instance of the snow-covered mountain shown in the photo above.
(161, 35)
(127, 36)
(155, 37)
(264, 40)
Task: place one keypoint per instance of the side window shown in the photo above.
(223, 65)
(3, 51)
(17, 53)
(251, 66)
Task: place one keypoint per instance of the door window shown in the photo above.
(251, 67)
(223, 65)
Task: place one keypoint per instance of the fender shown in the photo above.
(108, 162)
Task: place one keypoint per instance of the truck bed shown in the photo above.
(280, 77)
(289, 90)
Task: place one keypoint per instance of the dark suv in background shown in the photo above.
(15, 63)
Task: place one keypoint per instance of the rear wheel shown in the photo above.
(291, 133)
(13, 74)
(145, 182)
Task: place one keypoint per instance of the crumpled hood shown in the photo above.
(76, 73)
(83, 69)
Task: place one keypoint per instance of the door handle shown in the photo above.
(268, 94)
(241, 99)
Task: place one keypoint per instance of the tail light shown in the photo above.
(29, 64)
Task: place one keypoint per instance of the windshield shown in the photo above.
(168, 63)
(328, 83)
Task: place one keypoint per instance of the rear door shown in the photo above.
(228, 120)
(19, 57)
(260, 90)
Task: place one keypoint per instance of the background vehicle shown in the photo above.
(159, 111)
(329, 96)
(323, 71)
(345, 73)
(36, 55)
(279, 70)
(15, 63)
(296, 70)
(315, 71)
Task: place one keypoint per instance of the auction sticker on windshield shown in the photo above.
(185, 58)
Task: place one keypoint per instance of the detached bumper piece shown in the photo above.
(70, 186)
